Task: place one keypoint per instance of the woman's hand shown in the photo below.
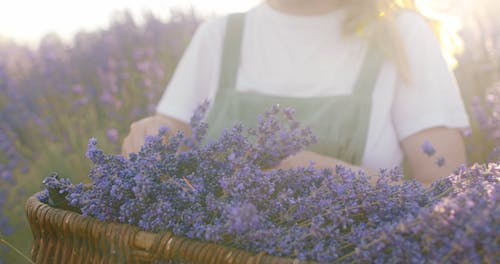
(150, 126)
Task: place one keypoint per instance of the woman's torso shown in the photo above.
(282, 54)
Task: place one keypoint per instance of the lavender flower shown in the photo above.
(427, 148)
(440, 161)
(113, 135)
(242, 217)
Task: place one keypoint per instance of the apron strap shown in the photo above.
(370, 70)
(230, 61)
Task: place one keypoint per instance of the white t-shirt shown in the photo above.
(303, 56)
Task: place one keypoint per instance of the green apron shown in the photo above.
(340, 123)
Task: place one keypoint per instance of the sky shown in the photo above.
(26, 21)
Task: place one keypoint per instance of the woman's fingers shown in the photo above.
(135, 139)
(150, 126)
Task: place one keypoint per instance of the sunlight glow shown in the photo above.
(445, 13)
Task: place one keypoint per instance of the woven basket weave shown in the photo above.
(61, 236)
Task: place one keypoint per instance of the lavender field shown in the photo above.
(58, 95)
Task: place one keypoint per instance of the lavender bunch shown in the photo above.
(162, 177)
(463, 227)
(321, 214)
(226, 191)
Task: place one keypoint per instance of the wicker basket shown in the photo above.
(61, 236)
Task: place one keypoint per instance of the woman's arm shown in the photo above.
(150, 126)
(448, 144)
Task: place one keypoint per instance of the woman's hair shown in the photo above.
(383, 14)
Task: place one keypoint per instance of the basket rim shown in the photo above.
(144, 240)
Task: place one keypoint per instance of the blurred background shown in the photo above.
(70, 71)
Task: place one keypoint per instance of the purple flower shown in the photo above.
(93, 153)
(243, 217)
(440, 161)
(78, 89)
(427, 148)
(113, 135)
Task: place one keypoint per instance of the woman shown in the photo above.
(370, 80)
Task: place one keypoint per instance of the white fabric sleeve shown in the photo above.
(196, 76)
(432, 98)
